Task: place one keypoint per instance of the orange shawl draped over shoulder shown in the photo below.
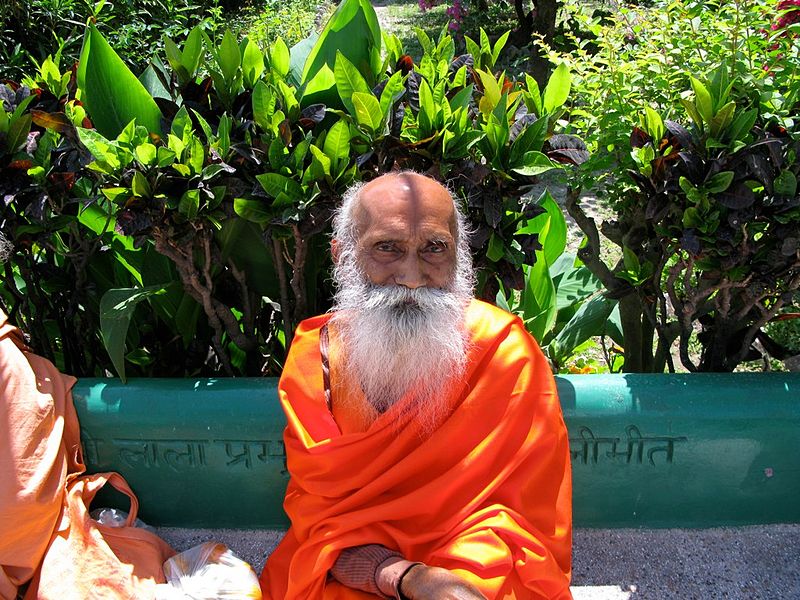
(487, 495)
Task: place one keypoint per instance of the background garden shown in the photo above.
(168, 171)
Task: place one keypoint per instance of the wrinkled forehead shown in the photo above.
(407, 198)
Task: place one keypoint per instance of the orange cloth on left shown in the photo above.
(40, 447)
(487, 495)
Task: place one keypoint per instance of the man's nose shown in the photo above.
(409, 273)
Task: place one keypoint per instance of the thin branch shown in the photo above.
(590, 254)
(191, 283)
(286, 310)
(298, 273)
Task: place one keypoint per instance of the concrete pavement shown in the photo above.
(755, 562)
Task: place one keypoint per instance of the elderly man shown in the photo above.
(427, 451)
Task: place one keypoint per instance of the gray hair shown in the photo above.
(346, 235)
(6, 248)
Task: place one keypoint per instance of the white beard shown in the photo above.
(398, 341)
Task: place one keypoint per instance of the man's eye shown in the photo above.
(437, 247)
(385, 247)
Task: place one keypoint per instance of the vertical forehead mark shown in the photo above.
(416, 193)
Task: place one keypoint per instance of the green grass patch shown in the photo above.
(264, 21)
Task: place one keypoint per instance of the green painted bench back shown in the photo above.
(647, 450)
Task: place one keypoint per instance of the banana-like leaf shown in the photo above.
(575, 286)
(539, 303)
(352, 30)
(590, 320)
(116, 310)
(113, 96)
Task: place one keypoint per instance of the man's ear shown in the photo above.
(335, 251)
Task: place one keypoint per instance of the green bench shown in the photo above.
(647, 450)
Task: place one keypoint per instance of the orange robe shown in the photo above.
(487, 495)
(39, 450)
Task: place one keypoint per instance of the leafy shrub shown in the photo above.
(184, 215)
(709, 238)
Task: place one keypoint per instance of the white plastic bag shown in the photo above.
(208, 572)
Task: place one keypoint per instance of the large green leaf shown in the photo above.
(354, 31)
(253, 63)
(276, 184)
(590, 320)
(703, 101)
(337, 142)
(252, 209)
(539, 301)
(550, 226)
(368, 111)
(557, 90)
(113, 96)
(279, 58)
(427, 109)
(228, 56)
(116, 310)
(263, 105)
(533, 163)
(393, 89)
(348, 81)
(575, 286)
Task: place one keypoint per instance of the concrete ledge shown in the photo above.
(647, 450)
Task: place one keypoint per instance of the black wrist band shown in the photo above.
(399, 594)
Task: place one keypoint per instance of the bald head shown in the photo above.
(404, 228)
(410, 197)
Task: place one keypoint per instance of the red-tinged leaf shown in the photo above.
(568, 156)
(86, 123)
(20, 164)
(476, 79)
(311, 116)
(405, 64)
(520, 124)
(285, 129)
(567, 149)
(639, 137)
(62, 181)
(57, 122)
(131, 223)
(511, 276)
(786, 317)
(507, 85)
(657, 207)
